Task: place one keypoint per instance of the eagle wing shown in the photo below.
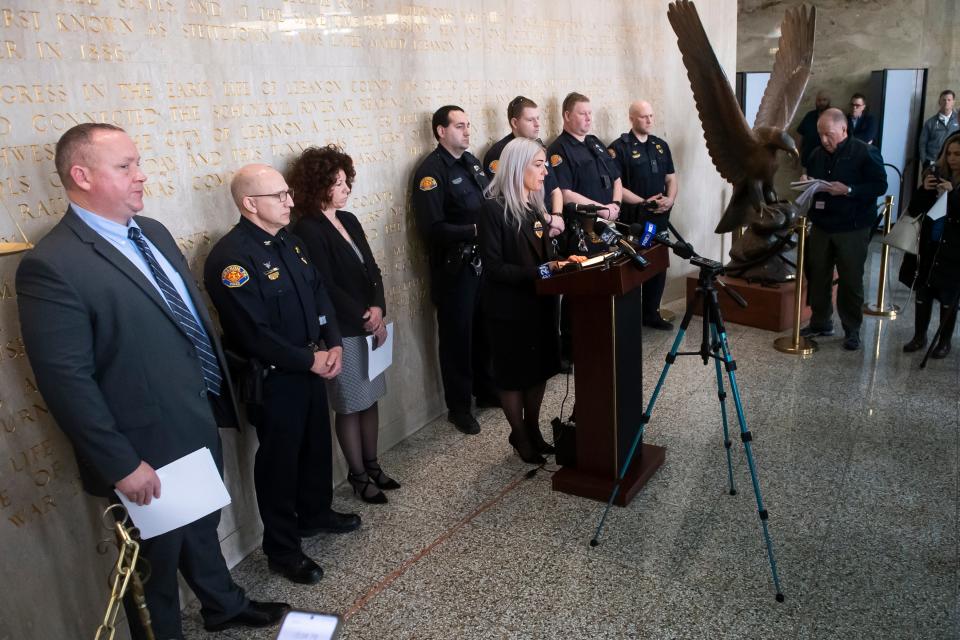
(791, 70)
(730, 141)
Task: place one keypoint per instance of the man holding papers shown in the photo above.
(276, 313)
(843, 211)
(128, 361)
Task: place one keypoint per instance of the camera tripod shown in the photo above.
(713, 345)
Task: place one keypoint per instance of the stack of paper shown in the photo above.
(808, 187)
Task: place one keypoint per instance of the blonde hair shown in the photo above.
(507, 184)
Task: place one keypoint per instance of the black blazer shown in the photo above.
(511, 260)
(353, 285)
(116, 369)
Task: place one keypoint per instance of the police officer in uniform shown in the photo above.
(586, 175)
(523, 115)
(649, 191)
(448, 189)
(276, 314)
(584, 171)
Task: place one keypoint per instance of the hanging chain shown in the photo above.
(123, 577)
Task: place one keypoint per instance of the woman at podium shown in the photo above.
(516, 248)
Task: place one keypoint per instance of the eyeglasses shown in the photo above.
(859, 105)
(279, 195)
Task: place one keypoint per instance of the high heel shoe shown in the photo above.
(526, 450)
(360, 486)
(536, 438)
(382, 480)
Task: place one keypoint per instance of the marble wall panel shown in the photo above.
(205, 86)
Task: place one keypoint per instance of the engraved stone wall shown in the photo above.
(204, 86)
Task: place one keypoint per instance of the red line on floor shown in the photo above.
(406, 564)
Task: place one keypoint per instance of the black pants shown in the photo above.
(652, 295)
(293, 468)
(194, 549)
(464, 352)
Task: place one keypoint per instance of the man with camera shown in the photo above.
(649, 191)
(448, 190)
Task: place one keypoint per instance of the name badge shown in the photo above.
(820, 204)
(322, 319)
(457, 180)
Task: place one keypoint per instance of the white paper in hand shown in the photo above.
(939, 208)
(382, 357)
(190, 488)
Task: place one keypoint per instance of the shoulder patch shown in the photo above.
(428, 183)
(234, 276)
(493, 166)
(611, 152)
(555, 160)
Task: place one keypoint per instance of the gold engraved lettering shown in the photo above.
(236, 88)
(32, 94)
(102, 53)
(135, 91)
(204, 8)
(28, 153)
(246, 155)
(163, 188)
(55, 206)
(14, 186)
(93, 91)
(157, 30)
(184, 113)
(212, 181)
(29, 458)
(72, 23)
(49, 50)
(45, 123)
(6, 291)
(20, 19)
(207, 159)
(220, 32)
(184, 138)
(177, 90)
(36, 510)
(5, 126)
(151, 6)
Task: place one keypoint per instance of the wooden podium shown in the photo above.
(608, 376)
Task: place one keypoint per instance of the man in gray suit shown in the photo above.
(130, 365)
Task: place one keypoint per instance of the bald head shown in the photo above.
(262, 196)
(641, 118)
(832, 128)
(822, 100)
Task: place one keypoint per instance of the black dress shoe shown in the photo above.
(302, 571)
(332, 522)
(257, 614)
(464, 422)
(658, 323)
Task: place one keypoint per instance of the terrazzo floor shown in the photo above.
(857, 455)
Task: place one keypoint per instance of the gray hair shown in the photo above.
(507, 184)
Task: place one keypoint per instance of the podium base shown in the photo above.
(597, 487)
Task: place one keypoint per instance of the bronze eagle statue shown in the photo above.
(745, 157)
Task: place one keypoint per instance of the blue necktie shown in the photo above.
(208, 360)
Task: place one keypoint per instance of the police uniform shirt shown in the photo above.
(644, 166)
(491, 162)
(583, 167)
(447, 194)
(270, 298)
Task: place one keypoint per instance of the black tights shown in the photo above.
(522, 409)
(357, 433)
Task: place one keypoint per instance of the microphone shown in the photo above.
(613, 238)
(585, 208)
(648, 235)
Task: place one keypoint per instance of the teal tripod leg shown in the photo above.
(644, 419)
(747, 438)
(722, 396)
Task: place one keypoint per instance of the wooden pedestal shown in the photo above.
(768, 307)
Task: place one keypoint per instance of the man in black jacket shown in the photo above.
(842, 214)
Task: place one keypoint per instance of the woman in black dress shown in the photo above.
(515, 245)
(321, 179)
(935, 270)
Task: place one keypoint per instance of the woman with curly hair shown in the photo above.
(321, 179)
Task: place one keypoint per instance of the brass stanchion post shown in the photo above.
(796, 344)
(880, 309)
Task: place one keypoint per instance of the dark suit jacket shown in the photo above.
(866, 130)
(116, 370)
(353, 285)
(511, 259)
